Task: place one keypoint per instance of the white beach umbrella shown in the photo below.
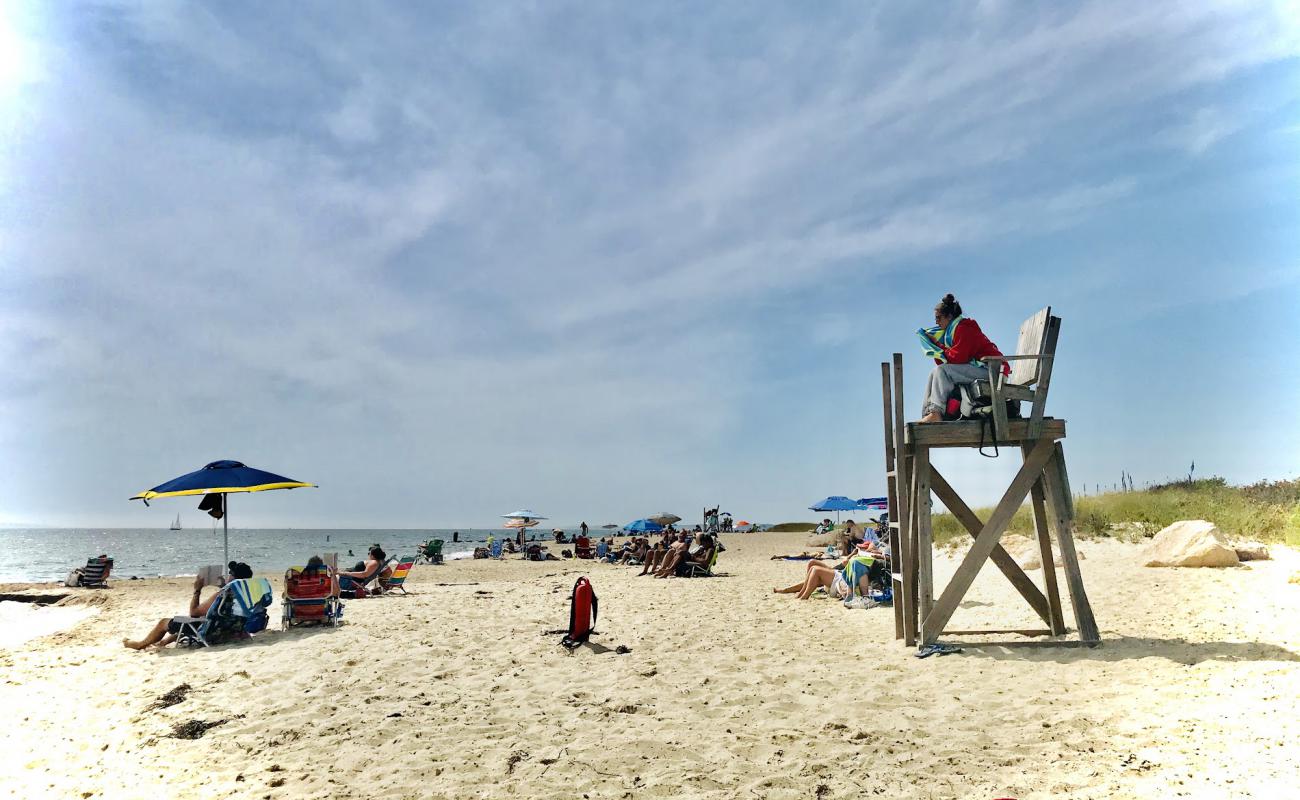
(523, 514)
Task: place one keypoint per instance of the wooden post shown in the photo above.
(904, 483)
(984, 543)
(1057, 620)
(999, 404)
(924, 532)
(1064, 524)
(891, 483)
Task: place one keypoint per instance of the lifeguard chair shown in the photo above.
(912, 480)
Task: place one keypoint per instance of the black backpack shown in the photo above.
(972, 401)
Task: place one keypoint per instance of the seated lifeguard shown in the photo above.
(957, 345)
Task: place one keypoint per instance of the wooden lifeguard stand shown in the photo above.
(912, 479)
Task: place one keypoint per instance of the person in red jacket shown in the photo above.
(964, 346)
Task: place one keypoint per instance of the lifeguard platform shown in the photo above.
(913, 481)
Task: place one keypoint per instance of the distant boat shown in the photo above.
(177, 524)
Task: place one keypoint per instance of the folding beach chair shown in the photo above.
(495, 552)
(691, 569)
(433, 551)
(310, 597)
(400, 570)
(582, 547)
(238, 612)
(94, 574)
(357, 588)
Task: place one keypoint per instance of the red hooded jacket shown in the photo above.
(970, 344)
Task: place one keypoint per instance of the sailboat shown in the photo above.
(177, 524)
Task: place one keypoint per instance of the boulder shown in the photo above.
(1189, 543)
(1251, 551)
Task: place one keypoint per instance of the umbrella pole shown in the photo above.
(225, 528)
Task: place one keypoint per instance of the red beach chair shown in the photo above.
(311, 596)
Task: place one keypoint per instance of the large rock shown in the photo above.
(1189, 543)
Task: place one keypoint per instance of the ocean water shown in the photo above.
(47, 554)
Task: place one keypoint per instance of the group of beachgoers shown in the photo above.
(373, 572)
(862, 565)
(670, 556)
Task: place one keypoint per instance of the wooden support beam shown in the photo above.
(989, 535)
(1064, 523)
(999, 402)
(969, 520)
(902, 513)
(967, 434)
(1057, 620)
(891, 482)
(924, 532)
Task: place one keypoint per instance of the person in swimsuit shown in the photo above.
(164, 632)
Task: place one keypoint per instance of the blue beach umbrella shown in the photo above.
(223, 478)
(644, 526)
(836, 503)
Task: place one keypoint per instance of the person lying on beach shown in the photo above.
(804, 556)
(959, 347)
(164, 632)
(678, 557)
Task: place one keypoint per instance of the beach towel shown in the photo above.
(252, 598)
(936, 339)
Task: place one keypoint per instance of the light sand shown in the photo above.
(729, 691)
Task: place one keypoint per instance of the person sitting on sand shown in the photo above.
(368, 570)
(680, 556)
(835, 579)
(819, 576)
(660, 551)
(963, 345)
(164, 633)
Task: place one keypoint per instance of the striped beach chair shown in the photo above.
(94, 574)
(400, 570)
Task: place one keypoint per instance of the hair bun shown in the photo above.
(948, 298)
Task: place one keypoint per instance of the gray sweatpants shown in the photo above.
(943, 379)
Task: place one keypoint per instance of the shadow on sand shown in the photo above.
(1126, 648)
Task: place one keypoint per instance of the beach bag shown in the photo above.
(73, 579)
(969, 401)
(583, 608)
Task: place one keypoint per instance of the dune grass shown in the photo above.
(1268, 511)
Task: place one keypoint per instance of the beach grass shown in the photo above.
(1268, 511)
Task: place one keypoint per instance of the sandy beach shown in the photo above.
(728, 691)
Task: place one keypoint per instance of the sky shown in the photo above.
(609, 259)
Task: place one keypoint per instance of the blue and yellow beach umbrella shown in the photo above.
(221, 478)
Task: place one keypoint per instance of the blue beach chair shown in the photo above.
(238, 612)
(495, 551)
